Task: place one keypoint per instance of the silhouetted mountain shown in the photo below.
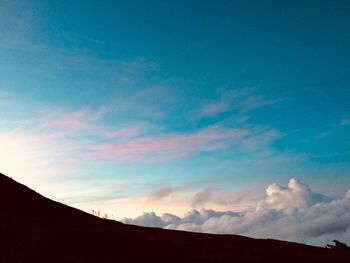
(36, 229)
(18, 199)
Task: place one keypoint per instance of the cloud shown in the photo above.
(147, 219)
(343, 122)
(192, 218)
(296, 196)
(244, 201)
(241, 101)
(145, 103)
(293, 213)
(167, 147)
(214, 108)
(263, 136)
(72, 121)
(69, 139)
(254, 102)
(203, 197)
(90, 122)
(161, 193)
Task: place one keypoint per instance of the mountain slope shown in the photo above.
(36, 229)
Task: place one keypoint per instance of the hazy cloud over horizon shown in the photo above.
(293, 213)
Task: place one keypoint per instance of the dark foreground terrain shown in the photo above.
(36, 229)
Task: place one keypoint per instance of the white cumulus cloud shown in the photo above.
(293, 213)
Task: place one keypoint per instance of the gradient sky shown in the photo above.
(132, 106)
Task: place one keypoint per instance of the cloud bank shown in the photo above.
(293, 213)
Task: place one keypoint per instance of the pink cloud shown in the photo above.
(168, 147)
(58, 142)
(90, 122)
(72, 121)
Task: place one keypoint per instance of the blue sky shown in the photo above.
(126, 106)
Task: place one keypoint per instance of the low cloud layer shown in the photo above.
(293, 213)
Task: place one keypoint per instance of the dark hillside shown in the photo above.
(36, 229)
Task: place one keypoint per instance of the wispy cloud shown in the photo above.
(214, 196)
(161, 193)
(72, 138)
(343, 122)
(90, 122)
(170, 146)
(214, 108)
(264, 136)
(72, 121)
(152, 103)
(203, 197)
(255, 102)
(240, 101)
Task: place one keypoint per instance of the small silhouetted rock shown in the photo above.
(338, 246)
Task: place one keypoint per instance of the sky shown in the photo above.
(127, 107)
